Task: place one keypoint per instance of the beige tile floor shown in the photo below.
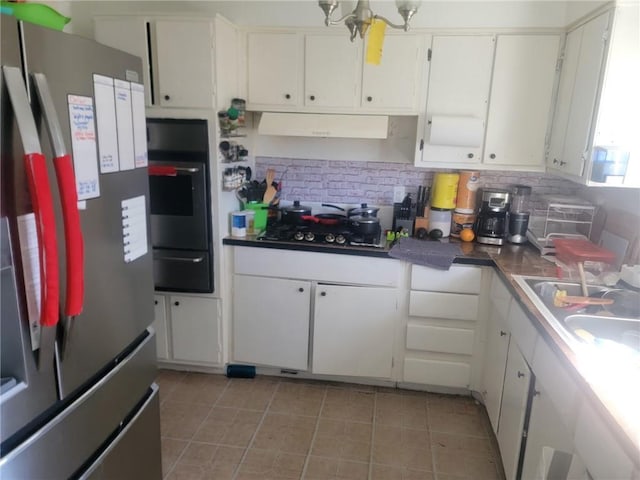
(279, 428)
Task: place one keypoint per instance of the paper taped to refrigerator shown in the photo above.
(456, 131)
(83, 146)
(139, 125)
(103, 92)
(124, 124)
(29, 252)
(134, 228)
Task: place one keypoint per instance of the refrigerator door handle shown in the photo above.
(74, 245)
(40, 192)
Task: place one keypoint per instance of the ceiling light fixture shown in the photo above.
(359, 20)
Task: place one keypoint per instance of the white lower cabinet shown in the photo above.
(188, 331)
(513, 410)
(160, 326)
(353, 330)
(549, 449)
(271, 321)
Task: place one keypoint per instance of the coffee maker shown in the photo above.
(493, 217)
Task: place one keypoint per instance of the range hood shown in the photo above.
(323, 125)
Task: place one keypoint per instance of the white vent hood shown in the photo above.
(323, 125)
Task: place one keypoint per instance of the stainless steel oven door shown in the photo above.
(182, 271)
(178, 199)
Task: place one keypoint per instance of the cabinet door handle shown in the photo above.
(301, 289)
(562, 163)
(555, 161)
(520, 375)
(155, 302)
(312, 97)
(167, 97)
(502, 334)
(323, 294)
(369, 99)
(287, 96)
(176, 303)
(470, 155)
(493, 155)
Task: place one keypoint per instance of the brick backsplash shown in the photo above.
(333, 181)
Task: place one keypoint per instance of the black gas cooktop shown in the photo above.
(340, 234)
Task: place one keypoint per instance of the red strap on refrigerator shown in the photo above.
(74, 245)
(162, 171)
(40, 191)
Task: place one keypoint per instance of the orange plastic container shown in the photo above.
(575, 250)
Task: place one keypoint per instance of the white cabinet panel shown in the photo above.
(353, 330)
(160, 326)
(499, 295)
(274, 62)
(598, 448)
(271, 321)
(437, 372)
(195, 329)
(322, 267)
(459, 83)
(521, 95)
(513, 410)
(440, 339)
(393, 85)
(522, 330)
(495, 362)
(458, 279)
(332, 69)
(555, 379)
(443, 305)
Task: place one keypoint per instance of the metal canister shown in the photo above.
(467, 191)
(444, 190)
(460, 221)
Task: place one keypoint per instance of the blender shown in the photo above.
(519, 215)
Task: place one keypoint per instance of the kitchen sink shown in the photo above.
(587, 325)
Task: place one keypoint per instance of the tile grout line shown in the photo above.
(373, 432)
(175, 464)
(255, 433)
(315, 433)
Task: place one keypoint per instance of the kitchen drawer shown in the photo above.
(522, 330)
(443, 305)
(321, 267)
(458, 279)
(436, 372)
(556, 381)
(440, 339)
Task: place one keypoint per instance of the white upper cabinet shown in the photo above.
(521, 96)
(489, 101)
(326, 72)
(594, 136)
(274, 69)
(332, 68)
(177, 55)
(459, 82)
(185, 63)
(394, 83)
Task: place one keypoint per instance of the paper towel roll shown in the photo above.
(456, 131)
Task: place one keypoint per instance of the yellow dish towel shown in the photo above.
(376, 39)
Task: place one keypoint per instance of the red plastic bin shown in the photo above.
(575, 250)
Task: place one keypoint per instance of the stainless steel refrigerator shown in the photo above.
(78, 398)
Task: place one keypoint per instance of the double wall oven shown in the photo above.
(180, 205)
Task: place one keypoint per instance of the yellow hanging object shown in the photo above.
(376, 39)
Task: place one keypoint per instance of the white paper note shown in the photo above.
(139, 125)
(125, 125)
(456, 131)
(83, 146)
(104, 94)
(28, 238)
(134, 228)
